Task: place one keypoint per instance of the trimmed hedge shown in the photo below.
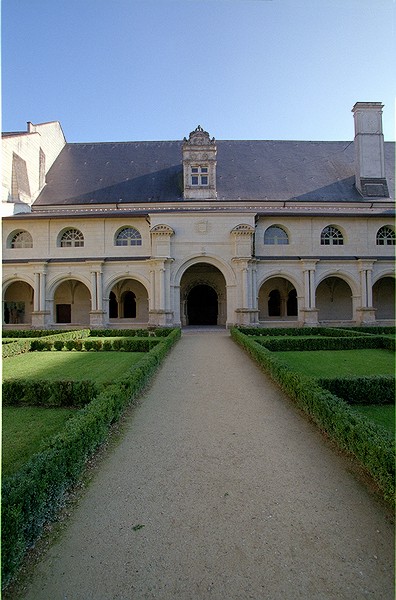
(371, 444)
(152, 332)
(378, 389)
(22, 346)
(117, 345)
(324, 343)
(32, 496)
(31, 333)
(299, 331)
(24, 392)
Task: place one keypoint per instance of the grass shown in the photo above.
(340, 363)
(26, 431)
(382, 415)
(100, 366)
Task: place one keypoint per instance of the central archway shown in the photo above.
(202, 305)
(203, 296)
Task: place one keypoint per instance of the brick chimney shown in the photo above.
(370, 177)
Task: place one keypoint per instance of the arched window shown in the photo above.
(385, 236)
(128, 236)
(71, 238)
(331, 236)
(21, 239)
(275, 235)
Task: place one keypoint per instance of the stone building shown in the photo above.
(199, 231)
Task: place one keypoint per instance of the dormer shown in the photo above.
(199, 166)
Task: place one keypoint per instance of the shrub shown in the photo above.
(379, 389)
(24, 392)
(59, 344)
(322, 343)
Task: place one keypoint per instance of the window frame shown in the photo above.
(200, 173)
(24, 243)
(275, 240)
(75, 238)
(331, 235)
(135, 240)
(388, 236)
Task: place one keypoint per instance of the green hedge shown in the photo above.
(33, 495)
(117, 345)
(299, 331)
(22, 346)
(378, 389)
(324, 343)
(31, 333)
(372, 445)
(24, 392)
(152, 332)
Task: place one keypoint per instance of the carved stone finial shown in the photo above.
(199, 137)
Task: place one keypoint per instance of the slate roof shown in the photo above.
(134, 172)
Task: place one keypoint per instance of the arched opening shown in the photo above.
(202, 305)
(128, 299)
(278, 300)
(384, 298)
(334, 300)
(18, 304)
(274, 303)
(72, 303)
(203, 296)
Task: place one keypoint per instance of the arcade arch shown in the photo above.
(72, 302)
(203, 296)
(277, 299)
(384, 298)
(18, 303)
(128, 302)
(334, 300)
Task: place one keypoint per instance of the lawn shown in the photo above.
(340, 363)
(26, 431)
(100, 366)
(382, 415)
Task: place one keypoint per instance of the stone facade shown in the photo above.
(197, 260)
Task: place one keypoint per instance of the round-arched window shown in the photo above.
(71, 238)
(20, 239)
(331, 236)
(128, 236)
(385, 236)
(275, 235)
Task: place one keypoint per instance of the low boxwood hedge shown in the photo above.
(26, 392)
(33, 495)
(22, 346)
(324, 343)
(371, 444)
(376, 389)
(299, 331)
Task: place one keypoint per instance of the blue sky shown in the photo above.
(114, 70)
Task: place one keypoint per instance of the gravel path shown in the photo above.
(220, 489)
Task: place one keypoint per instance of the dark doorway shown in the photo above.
(63, 313)
(113, 306)
(274, 304)
(129, 300)
(292, 307)
(202, 306)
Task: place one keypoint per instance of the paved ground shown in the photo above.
(219, 489)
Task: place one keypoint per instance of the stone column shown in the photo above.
(309, 312)
(97, 314)
(365, 314)
(40, 315)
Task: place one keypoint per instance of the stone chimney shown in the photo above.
(370, 177)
